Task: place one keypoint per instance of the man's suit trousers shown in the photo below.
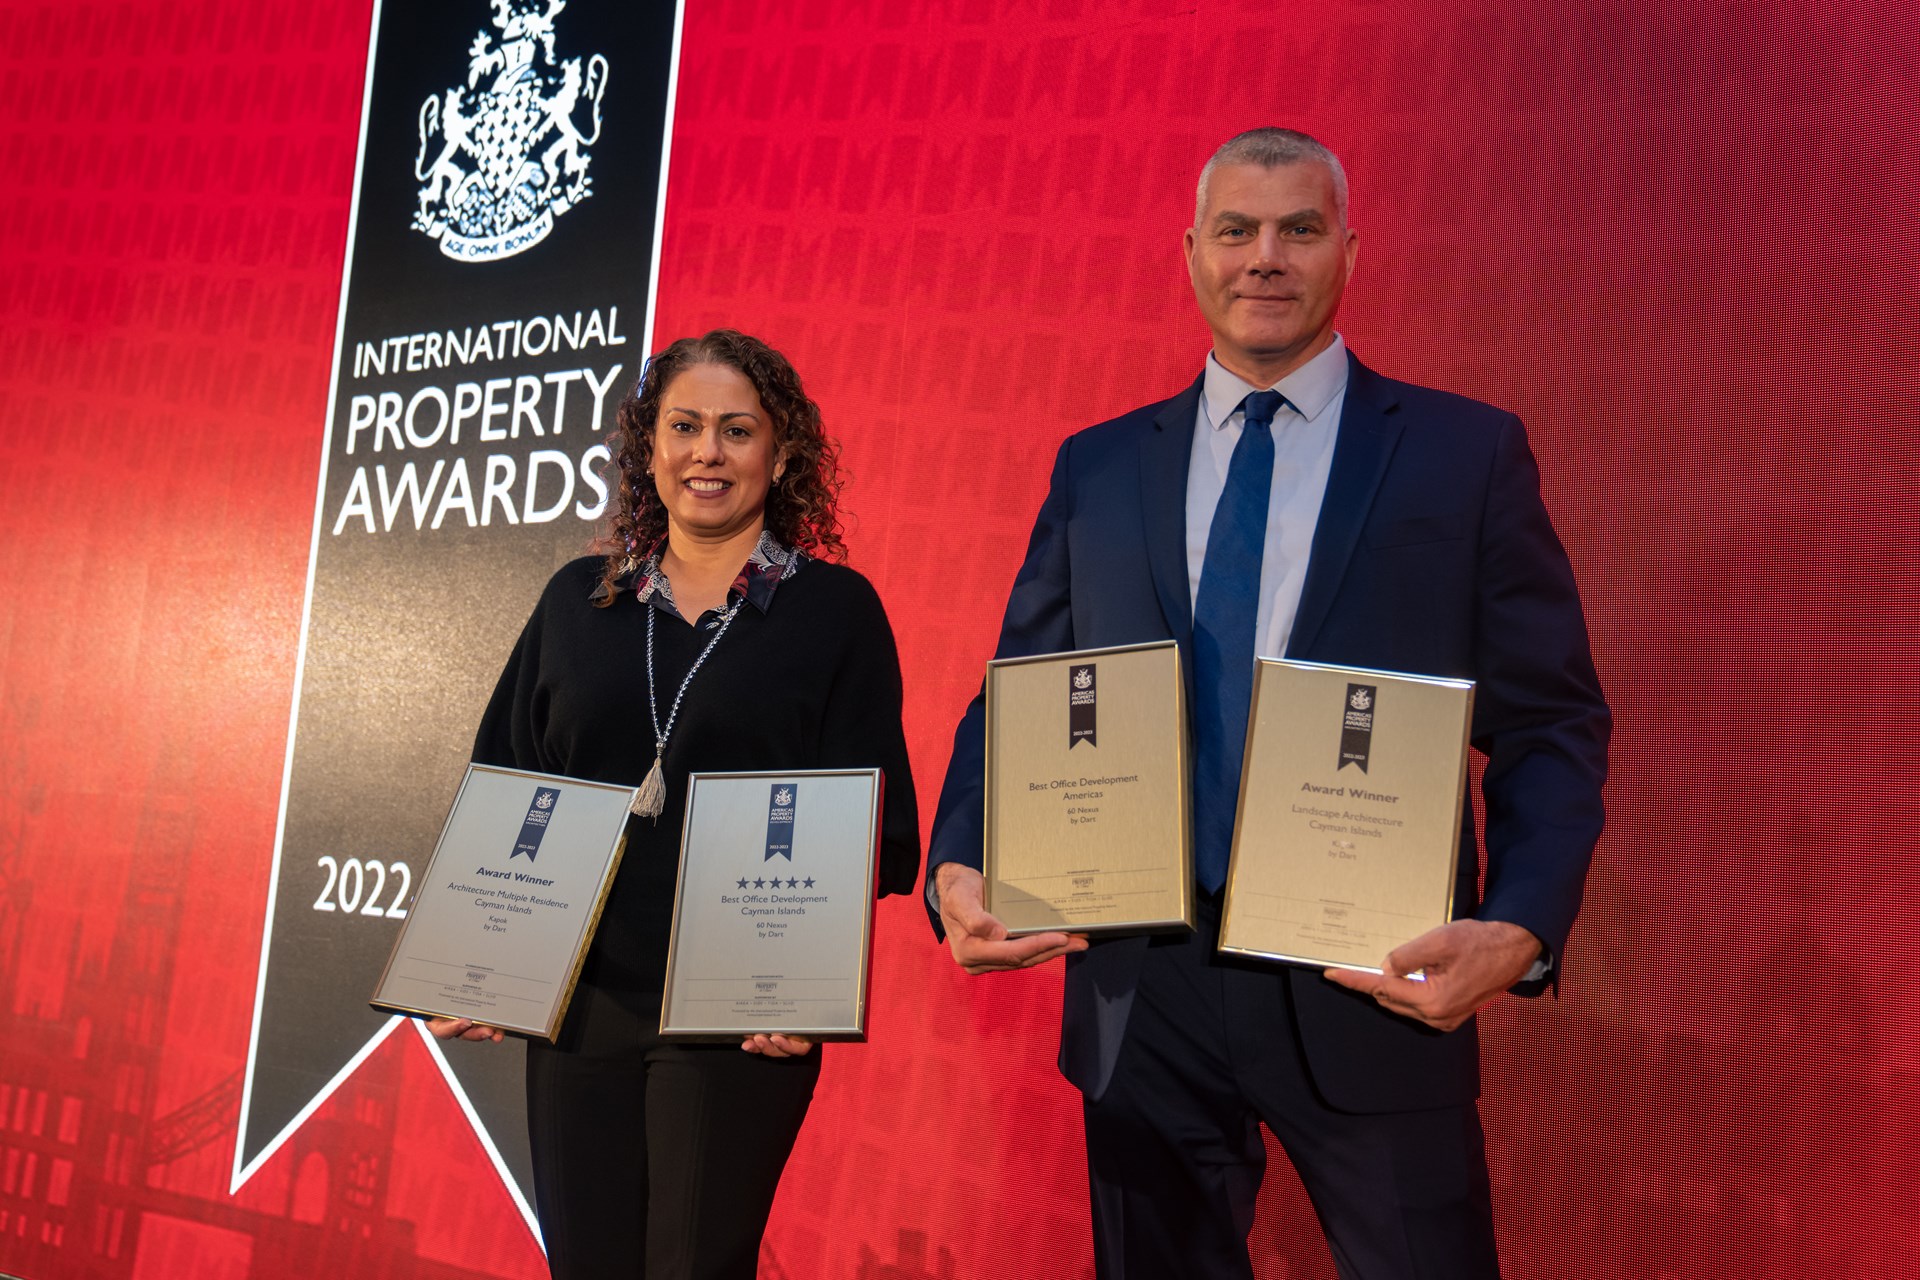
(1175, 1155)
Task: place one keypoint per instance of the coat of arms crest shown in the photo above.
(504, 155)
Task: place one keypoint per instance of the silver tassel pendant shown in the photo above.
(651, 800)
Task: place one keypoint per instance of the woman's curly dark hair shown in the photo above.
(802, 506)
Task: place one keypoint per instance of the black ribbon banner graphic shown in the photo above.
(781, 803)
(495, 306)
(534, 829)
(1356, 729)
(1081, 707)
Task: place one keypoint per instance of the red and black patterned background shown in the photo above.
(1677, 239)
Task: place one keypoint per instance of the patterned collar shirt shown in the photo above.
(770, 563)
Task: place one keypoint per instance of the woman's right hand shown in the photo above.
(463, 1029)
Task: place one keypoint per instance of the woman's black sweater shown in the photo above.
(811, 683)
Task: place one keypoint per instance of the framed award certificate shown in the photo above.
(507, 906)
(1087, 811)
(1347, 834)
(773, 912)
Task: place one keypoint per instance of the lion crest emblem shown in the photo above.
(505, 154)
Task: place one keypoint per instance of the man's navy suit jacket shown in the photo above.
(1433, 555)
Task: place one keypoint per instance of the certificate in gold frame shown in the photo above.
(773, 909)
(504, 913)
(1088, 818)
(1347, 835)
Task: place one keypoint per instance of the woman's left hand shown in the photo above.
(463, 1029)
(778, 1046)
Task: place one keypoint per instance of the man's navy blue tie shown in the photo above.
(1223, 621)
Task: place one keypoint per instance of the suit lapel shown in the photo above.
(1165, 451)
(1369, 429)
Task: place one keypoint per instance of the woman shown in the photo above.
(719, 635)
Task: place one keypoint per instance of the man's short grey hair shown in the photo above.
(1271, 148)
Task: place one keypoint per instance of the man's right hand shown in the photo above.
(980, 943)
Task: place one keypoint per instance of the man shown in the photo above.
(1339, 517)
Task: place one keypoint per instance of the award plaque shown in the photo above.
(506, 907)
(1087, 818)
(1348, 829)
(773, 913)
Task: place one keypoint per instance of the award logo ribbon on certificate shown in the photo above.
(534, 829)
(1356, 729)
(1082, 706)
(780, 807)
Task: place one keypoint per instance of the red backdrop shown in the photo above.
(1678, 240)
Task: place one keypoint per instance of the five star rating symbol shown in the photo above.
(792, 882)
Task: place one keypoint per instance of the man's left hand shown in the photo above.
(1467, 963)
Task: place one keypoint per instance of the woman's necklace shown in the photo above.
(651, 799)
